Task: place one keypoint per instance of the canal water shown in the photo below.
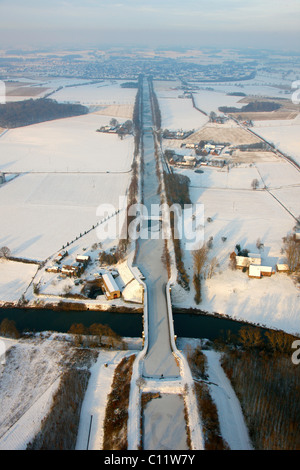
(186, 325)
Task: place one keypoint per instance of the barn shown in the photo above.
(112, 290)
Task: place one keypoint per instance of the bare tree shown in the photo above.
(255, 184)
(292, 252)
(5, 252)
(199, 257)
(212, 267)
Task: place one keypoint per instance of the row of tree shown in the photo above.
(259, 365)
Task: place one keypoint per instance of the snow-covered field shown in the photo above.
(14, 279)
(69, 145)
(285, 135)
(209, 101)
(177, 113)
(28, 381)
(242, 216)
(96, 94)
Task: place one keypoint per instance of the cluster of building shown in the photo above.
(71, 270)
(177, 135)
(253, 264)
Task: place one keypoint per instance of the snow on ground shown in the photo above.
(177, 113)
(285, 135)
(90, 433)
(232, 424)
(70, 171)
(108, 92)
(68, 145)
(278, 174)
(209, 101)
(44, 212)
(28, 381)
(239, 177)
(14, 279)
(243, 217)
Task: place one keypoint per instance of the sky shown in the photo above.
(254, 23)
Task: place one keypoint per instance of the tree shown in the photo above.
(128, 126)
(113, 122)
(199, 258)
(259, 244)
(5, 252)
(212, 116)
(232, 262)
(212, 267)
(8, 328)
(291, 249)
(255, 184)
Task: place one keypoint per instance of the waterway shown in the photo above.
(186, 325)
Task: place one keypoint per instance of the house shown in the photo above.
(83, 259)
(297, 237)
(282, 268)
(257, 272)
(191, 146)
(190, 159)
(61, 255)
(242, 262)
(254, 271)
(73, 271)
(112, 290)
(266, 271)
(53, 269)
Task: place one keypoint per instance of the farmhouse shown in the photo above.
(282, 268)
(257, 272)
(82, 259)
(112, 290)
(53, 269)
(72, 271)
(242, 262)
(61, 256)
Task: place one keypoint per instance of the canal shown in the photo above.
(186, 325)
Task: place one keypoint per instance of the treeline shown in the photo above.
(27, 112)
(94, 335)
(177, 192)
(156, 114)
(129, 85)
(8, 329)
(267, 384)
(116, 414)
(255, 107)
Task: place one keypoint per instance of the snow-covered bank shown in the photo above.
(232, 424)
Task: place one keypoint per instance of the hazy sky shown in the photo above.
(254, 23)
